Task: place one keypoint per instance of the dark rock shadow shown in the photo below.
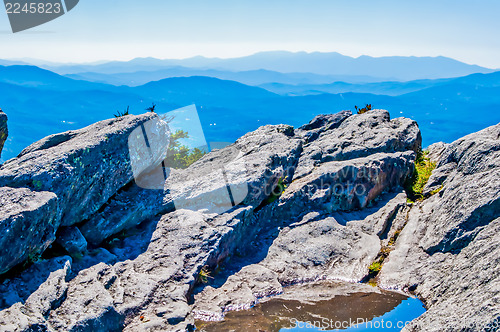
(127, 245)
(17, 288)
(344, 217)
(21, 282)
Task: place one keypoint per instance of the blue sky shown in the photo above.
(124, 29)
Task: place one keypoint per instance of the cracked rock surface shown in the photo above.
(450, 249)
(278, 207)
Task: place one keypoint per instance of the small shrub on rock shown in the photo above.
(423, 170)
(365, 109)
(122, 114)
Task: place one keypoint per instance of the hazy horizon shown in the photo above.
(123, 30)
(35, 60)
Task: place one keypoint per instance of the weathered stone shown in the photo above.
(85, 167)
(24, 286)
(4, 132)
(31, 296)
(28, 224)
(155, 270)
(323, 123)
(347, 185)
(449, 251)
(250, 168)
(435, 151)
(358, 136)
(52, 291)
(18, 318)
(340, 246)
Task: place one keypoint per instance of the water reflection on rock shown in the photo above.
(323, 304)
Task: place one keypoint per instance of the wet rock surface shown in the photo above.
(278, 207)
(319, 304)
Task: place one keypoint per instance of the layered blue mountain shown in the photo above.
(40, 102)
(32, 76)
(390, 88)
(251, 77)
(393, 67)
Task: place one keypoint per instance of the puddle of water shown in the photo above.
(393, 320)
(384, 311)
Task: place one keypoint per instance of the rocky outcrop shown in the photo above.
(228, 203)
(84, 168)
(64, 179)
(449, 251)
(435, 150)
(3, 130)
(278, 207)
(339, 246)
(30, 297)
(148, 275)
(356, 136)
(347, 185)
(250, 168)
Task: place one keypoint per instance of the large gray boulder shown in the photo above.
(85, 167)
(449, 250)
(28, 225)
(357, 136)
(66, 178)
(347, 185)
(4, 132)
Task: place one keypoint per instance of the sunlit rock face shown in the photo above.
(64, 179)
(279, 206)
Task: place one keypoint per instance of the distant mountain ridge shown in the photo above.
(40, 103)
(249, 77)
(397, 67)
(389, 88)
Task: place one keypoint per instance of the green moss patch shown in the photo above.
(423, 170)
